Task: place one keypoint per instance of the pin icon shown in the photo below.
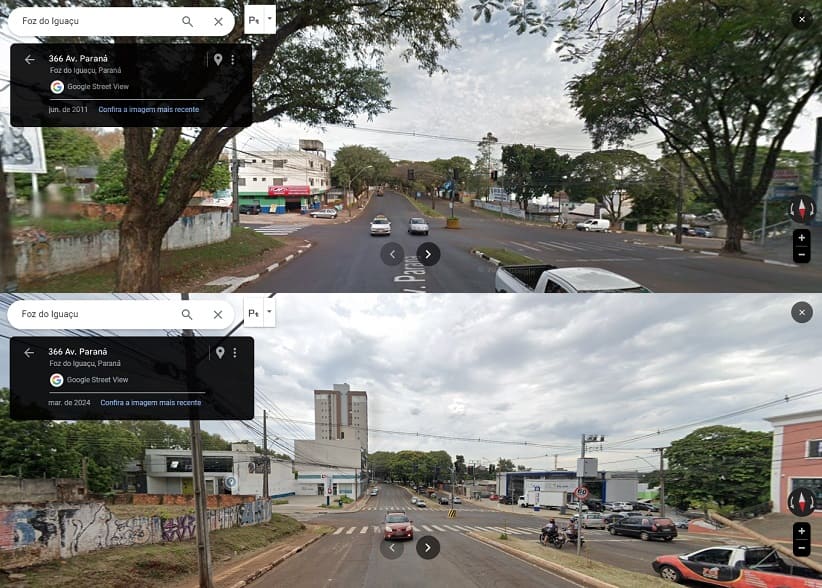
(218, 58)
(220, 351)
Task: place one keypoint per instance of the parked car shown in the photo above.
(594, 224)
(576, 506)
(494, 497)
(642, 506)
(644, 527)
(702, 232)
(608, 505)
(622, 506)
(417, 225)
(374, 492)
(253, 208)
(457, 500)
(324, 213)
(397, 526)
(506, 500)
(594, 504)
(380, 225)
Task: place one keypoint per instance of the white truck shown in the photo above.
(543, 498)
(543, 278)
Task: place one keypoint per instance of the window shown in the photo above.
(241, 182)
(253, 161)
(276, 181)
(815, 448)
(311, 181)
(311, 164)
(813, 484)
(262, 179)
(255, 179)
(554, 288)
(278, 163)
(714, 556)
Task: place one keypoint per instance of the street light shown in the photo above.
(349, 185)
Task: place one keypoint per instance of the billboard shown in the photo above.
(21, 148)
(289, 190)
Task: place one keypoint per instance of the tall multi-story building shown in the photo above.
(340, 412)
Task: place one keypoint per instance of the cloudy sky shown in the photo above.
(527, 375)
(512, 86)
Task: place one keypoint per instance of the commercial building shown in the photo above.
(796, 459)
(609, 486)
(238, 471)
(285, 179)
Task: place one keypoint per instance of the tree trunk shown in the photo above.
(733, 241)
(8, 260)
(141, 237)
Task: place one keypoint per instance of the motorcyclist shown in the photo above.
(549, 531)
(571, 530)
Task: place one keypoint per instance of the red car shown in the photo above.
(398, 526)
(494, 497)
(737, 566)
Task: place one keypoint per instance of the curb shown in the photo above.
(496, 262)
(719, 254)
(557, 569)
(268, 567)
(270, 268)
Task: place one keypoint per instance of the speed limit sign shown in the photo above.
(581, 492)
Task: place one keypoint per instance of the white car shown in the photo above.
(417, 225)
(457, 500)
(622, 506)
(374, 493)
(576, 506)
(380, 225)
(413, 500)
(592, 520)
(324, 213)
(595, 224)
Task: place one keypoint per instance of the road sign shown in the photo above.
(785, 175)
(329, 489)
(581, 492)
(784, 192)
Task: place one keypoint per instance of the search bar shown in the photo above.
(121, 22)
(121, 314)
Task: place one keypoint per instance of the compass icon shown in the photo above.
(802, 502)
(802, 209)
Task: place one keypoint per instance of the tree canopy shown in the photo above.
(716, 79)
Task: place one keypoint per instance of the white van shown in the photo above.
(595, 224)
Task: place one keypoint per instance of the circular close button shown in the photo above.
(428, 547)
(802, 19)
(428, 254)
(802, 312)
(391, 550)
(392, 253)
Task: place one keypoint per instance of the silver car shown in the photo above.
(325, 213)
(417, 225)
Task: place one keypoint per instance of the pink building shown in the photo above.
(796, 461)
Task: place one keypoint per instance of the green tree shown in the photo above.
(340, 43)
(353, 161)
(64, 147)
(505, 465)
(726, 465)
(31, 449)
(157, 434)
(531, 172)
(704, 76)
(108, 448)
(112, 175)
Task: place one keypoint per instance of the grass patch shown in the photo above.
(166, 511)
(152, 566)
(425, 210)
(64, 227)
(587, 566)
(279, 501)
(180, 270)
(508, 257)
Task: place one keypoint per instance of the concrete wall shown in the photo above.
(507, 210)
(14, 490)
(47, 256)
(31, 534)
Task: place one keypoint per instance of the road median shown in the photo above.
(582, 570)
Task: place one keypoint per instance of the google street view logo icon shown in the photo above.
(57, 87)
(56, 380)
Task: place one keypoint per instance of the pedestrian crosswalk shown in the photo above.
(280, 230)
(597, 250)
(374, 529)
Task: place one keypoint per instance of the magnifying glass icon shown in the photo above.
(187, 314)
(187, 21)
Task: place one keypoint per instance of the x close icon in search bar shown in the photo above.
(121, 22)
(121, 314)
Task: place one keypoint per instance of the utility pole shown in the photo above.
(556, 456)
(661, 451)
(265, 456)
(580, 477)
(679, 201)
(235, 183)
(203, 548)
(85, 473)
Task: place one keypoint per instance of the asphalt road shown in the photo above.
(346, 258)
(351, 555)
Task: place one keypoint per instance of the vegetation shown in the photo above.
(531, 172)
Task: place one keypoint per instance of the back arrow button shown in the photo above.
(28, 352)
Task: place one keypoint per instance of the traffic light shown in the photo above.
(494, 175)
(410, 174)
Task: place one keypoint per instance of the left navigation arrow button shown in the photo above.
(28, 352)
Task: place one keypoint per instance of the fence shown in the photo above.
(32, 534)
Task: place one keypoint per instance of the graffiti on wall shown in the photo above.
(29, 534)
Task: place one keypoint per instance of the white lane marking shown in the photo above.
(438, 528)
(426, 527)
(376, 528)
(338, 531)
(556, 245)
(363, 530)
(782, 263)
(351, 530)
(526, 246)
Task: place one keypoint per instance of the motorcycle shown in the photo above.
(557, 540)
(571, 537)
